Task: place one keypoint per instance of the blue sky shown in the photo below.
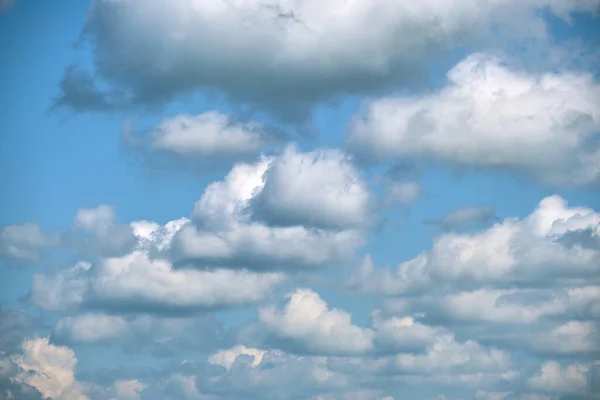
(299, 200)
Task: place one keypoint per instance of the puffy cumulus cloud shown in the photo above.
(223, 232)
(207, 138)
(507, 306)
(320, 189)
(90, 328)
(446, 354)
(403, 334)
(281, 55)
(571, 338)
(128, 389)
(226, 358)
(24, 243)
(96, 233)
(543, 125)
(572, 379)
(464, 217)
(49, 369)
(512, 251)
(308, 324)
(250, 373)
(136, 283)
(156, 335)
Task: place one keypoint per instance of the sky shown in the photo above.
(300, 200)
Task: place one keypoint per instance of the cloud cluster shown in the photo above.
(516, 285)
(513, 251)
(542, 124)
(294, 211)
(496, 309)
(283, 55)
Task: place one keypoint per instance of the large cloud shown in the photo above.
(281, 54)
(308, 323)
(226, 232)
(568, 379)
(50, 369)
(524, 252)
(320, 189)
(96, 233)
(488, 115)
(136, 283)
(517, 285)
(159, 336)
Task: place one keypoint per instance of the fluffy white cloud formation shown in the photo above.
(91, 328)
(97, 233)
(544, 125)
(308, 322)
(208, 134)
(447, 354)
(226, 358)
(208, 139)
(24, 242)
(555, 378)
(128, 389)
(50, 369)
(515, 251)
(249, 371)
(224, 232)
(405, 333)
(320, 189)
(283, 54)
(136, 283)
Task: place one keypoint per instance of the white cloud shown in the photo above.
(281, 54)
(97, 233)
(90, 328)
(50, 369)
(208, 134)
(24, 242)
(554, 378)
(319, 189)
(226, 358)
(137, 283)
(224, 234)
(543, 125)
(163, 335)
(97, 220)
(208, 140)
(250, 373)
(128, 389)
(448, 355)
(515, 306)
(573, 337)
(512, 251)
(307, 321)
(403, 333)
